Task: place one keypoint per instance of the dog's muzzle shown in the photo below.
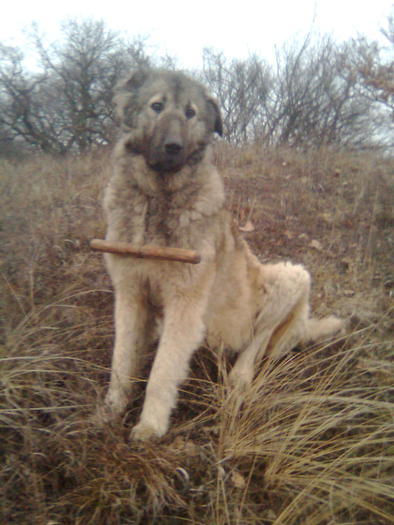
(167, 150)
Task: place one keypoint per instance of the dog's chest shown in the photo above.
(161, 220)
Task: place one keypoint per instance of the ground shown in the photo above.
(312, 440)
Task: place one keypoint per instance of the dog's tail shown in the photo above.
(320, 329)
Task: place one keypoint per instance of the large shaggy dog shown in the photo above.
(165, 191)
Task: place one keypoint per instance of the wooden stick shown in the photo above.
(165, 253)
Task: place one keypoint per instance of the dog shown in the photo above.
(165, 191)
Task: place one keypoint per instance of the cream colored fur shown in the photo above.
(230, 299)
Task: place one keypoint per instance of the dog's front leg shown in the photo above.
(183, 332)
(130, 323)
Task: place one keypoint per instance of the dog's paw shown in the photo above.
(146, 432)
(115, 402)
(240, 378)
(343, 327)
(111, 410)
(104, 416)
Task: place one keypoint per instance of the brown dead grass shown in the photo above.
(311, 442)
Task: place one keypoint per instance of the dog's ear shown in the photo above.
(132, 83)
(135, 80)
(125, 93)
(213, 108)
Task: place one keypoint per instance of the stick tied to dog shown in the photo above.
(164, 253)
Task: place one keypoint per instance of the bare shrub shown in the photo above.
(241, 87)
(67, 105)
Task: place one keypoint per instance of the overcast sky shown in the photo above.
(181, 29)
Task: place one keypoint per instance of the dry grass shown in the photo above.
(311, 442)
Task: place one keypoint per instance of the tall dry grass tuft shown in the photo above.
(311, 442)
(320, 426)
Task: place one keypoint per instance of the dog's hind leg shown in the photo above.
(243, 371)
(281, 321)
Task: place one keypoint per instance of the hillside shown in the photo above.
(312, 441)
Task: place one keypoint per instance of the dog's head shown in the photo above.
(167, 117)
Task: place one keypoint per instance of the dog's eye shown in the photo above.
(189, 113)
(157, 106)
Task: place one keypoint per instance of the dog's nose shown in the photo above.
(173, 148)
